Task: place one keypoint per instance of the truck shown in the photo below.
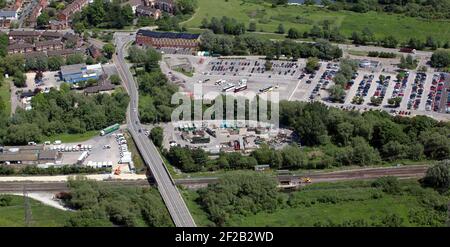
(240, 88)
(267, 89)
(109, 129)
(82, 157)
(228, 88)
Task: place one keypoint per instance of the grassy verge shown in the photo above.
(42, 215)
(5, 94)
(184, 72)
(303, 18)
(70, 138)
(139, 163)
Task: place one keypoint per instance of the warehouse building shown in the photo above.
(167, 39)
(80, 72)
(28, 155)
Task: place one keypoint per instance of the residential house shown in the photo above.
(167, 39)
(20, 48)
(49, 45)
(72, 8)
(148, 11)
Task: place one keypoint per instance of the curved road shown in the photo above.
(167, 188)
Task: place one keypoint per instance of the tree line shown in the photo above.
(252, 45)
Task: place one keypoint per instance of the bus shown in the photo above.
(110, 129)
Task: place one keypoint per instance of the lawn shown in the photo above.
(303, 18)
(356, 200)
(139, 163)
(41, 214)
(5, 94)
(70, 138)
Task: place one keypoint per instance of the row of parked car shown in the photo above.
(364, 86)
(73, 148)
(400, 87)
(437, 89)
(417, 91)
(382, 86)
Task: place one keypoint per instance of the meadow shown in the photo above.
(302, 18)
(41, 215)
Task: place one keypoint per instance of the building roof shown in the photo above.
(18, 157)
(71, 69)
(61, 52)
(20, 46)
(48, 155)
(51, 34)
(24, 33)
(7, 13)
(49, 42)
(167, 35)
(144, 8)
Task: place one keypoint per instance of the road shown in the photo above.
(167, 188)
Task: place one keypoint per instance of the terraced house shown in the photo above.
(167, 39)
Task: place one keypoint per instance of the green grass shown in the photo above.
(69, 138)
(42, 215)
(5, 94)
(357, 203)
(304, 17)
(184, 72)
(139, 163)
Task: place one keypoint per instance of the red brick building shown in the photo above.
(72, 8)
(167, 39)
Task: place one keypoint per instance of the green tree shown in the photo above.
(157, 136)
(281, 29)
(109, 50)
(440, 59)
(43, 19)
(337, 93)
(438, 176)
(74, 58)
(115, 79)
(293, 33)
(312, 64)
(55, 62)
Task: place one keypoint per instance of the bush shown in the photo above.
(389, 185)
(438, 176)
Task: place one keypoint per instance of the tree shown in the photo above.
(252, 26)
(440, 59)
(268, 65)
(337, 93)
(436, 146)
(395, 102)
(438, 176)
(376, 101)
(293, 33)
(43, 19)
(4, 41)
(186, 6)
(312, 64)
(115, 79)
(280, 29)
(55, 62)
(157, 136)
(389, 185)
(389, 42)
(74, 58)
(20, 80)
(109, 49)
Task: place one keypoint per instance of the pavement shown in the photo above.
(167, 188)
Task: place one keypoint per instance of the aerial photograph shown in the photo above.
(225, 114)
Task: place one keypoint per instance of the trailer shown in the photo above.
(267, 89)
(110, 129)
(228, 88)
(82, 157)
(240, 88)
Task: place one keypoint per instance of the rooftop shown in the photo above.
(71, 69)
(167, 35)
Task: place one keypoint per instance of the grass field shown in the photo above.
(303, 18)
(6, 95)
(69, 138)
(356, 201)
(42, 215)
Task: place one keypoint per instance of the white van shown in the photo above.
(57, 142)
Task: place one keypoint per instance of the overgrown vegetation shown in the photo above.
(383, 202)
(99, 205)
(63, 170)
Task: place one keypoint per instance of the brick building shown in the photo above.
(148, 11)
(72, 8)
(167, 39)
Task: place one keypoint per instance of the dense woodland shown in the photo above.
(100, 205)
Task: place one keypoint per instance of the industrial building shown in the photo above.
(80, 72)
(167, 39)
(28, 155)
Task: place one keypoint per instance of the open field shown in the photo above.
(337, 202)
(42, 215)
(6, 95)
(303, 18)
(70, 138)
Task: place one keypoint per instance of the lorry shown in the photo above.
(240, 88)
(109, 129)
(82, 157)
(228, 88)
